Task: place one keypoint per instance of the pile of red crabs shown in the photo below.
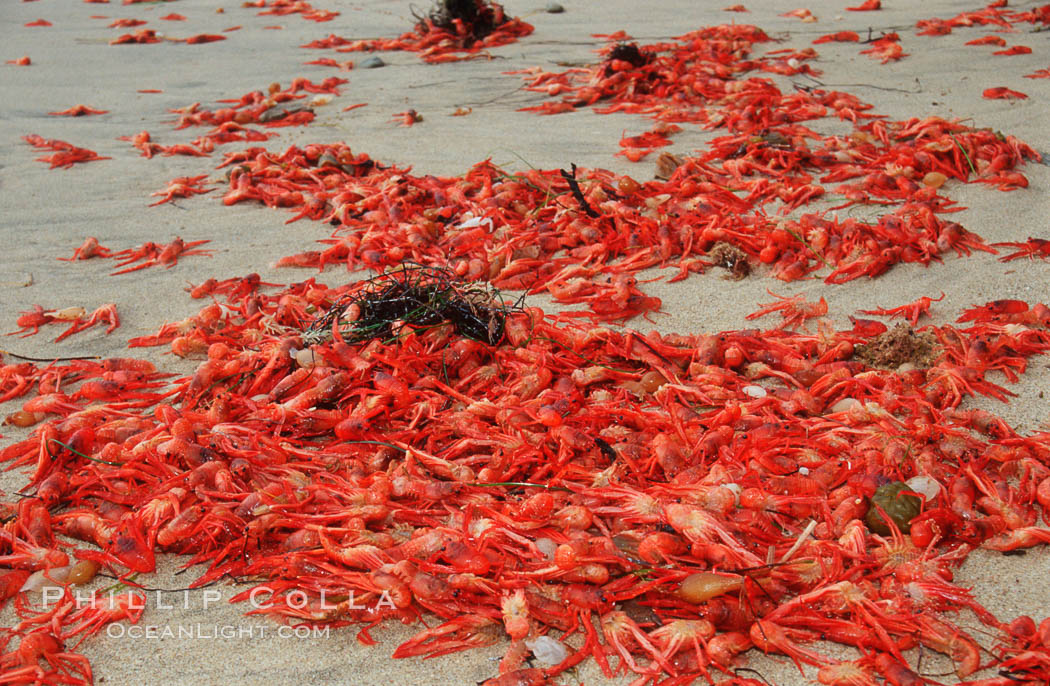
(420, 445)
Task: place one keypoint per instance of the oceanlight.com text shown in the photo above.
(214, 631)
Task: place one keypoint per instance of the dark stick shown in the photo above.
(574, 186)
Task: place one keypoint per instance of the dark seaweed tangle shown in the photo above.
(417, 296)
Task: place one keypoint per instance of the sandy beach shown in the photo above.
(47, 213)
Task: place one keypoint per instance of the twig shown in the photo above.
(523, 484)
(799, 541)
(50, 359)
(574, 186)
(871, 85)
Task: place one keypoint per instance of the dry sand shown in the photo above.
(47, 213)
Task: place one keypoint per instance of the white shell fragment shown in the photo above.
(46, 578)
(926, 485)
(844, 405)
(547, 547)
(549, 651)
(735, 489)
(471, 221)
(308, 358)
(754, 391)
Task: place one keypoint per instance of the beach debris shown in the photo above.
(666, 163)
(25, 281)
(547, 650)
(372, 62)
(452, 30)
(892, 506)
(470, 21)
(730, 258)
(416, 297)
(898, 346)
(553, 8)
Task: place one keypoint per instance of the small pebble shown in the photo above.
(844, 405)
(554, 8)
(373, 62)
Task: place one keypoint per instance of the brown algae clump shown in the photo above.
(900, 344)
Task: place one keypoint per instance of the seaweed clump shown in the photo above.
(901, 344)
(626, 52)
(470, 20)
(897, 506)
(416, 296)
(666, 164)
(730, 258)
